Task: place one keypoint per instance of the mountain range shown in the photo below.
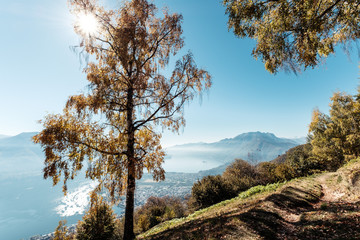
(254, 147)
(19, 156)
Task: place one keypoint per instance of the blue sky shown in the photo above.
(39, 72)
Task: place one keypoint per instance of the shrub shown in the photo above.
(300, 159)
(266, 172)
(208, 191)
(240, 175)
(284, 172)
(157, 210)
(323, 206)
(98, 223)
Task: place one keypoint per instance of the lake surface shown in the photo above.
(28, 207)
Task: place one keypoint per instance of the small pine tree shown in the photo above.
(98, 223)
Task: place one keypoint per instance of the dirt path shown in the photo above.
(329, 194)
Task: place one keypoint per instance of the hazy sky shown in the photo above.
(39, 72)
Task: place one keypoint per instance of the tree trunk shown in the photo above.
(129, 209)
(130, 191)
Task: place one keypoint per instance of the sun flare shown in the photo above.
(88, 23)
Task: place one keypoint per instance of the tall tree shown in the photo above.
(336, 138)
(114, 127)
(294, 35)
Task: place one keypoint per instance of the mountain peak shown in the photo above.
(26, 134)
(256, 134)
(23, 135)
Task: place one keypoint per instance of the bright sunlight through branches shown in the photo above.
(87, 23)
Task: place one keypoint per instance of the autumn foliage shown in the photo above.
(157, 210)
(98, 222)
(294, 35)
(114, 126)
(336, 137)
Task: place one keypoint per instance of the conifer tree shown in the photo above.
(98, 222)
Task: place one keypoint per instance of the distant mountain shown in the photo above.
(3, 136)
(19, 156)
(254, 147)
(301, 140)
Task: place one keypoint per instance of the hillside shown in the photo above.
(19, 156)
(322, 206)
(253, 146)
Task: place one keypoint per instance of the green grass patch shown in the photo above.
(259, 189)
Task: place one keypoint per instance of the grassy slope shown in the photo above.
(322, 206)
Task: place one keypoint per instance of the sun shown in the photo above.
(88, 23)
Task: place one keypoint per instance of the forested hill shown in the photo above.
(322, 206)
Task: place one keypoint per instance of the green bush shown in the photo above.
(157, 210)
(301, 160)
(208, 191)
(284, 172)
(266, 172)
(240, 175)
